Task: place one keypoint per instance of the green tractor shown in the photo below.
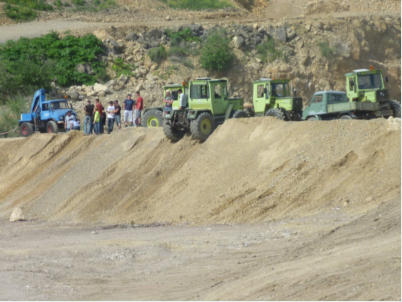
(153, 117)
(367, 85)
(273, 98)
(208, 106)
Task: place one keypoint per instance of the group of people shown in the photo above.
(96, 117)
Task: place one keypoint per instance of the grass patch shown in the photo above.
(268, 51)
(10, 114)
(216, 54)
(157, 54)
(325, 49)
(177, 37)
(197, 4)
(122, 68)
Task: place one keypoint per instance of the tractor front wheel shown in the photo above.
(278, 113)
(396, 108)
(171, 133)
(202, 126)
(26, 129)
(51, 127)
(312, 118)
(346, 117)
(152, 119)
(240, 114)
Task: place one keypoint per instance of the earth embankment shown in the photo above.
(249, 170)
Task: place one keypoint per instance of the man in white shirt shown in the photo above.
(69, 121)
(110, 117)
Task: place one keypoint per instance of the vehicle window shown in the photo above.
(369, 81)
(199, 92)
(335, 98)
(175, 95)
(218, 91)
(59, 105)
(280, 89)
(45, 107)
(317, 98)
(260, 91)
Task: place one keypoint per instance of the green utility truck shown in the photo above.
(328, 105)
(208, 105)
(153, 117)
(273, 98)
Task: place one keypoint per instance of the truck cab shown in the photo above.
(364, 85)
(273, 98)
(45, 115)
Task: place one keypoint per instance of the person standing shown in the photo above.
(99, 107)
(69, 121)
(110, 117)
(168, 102)
(117, 114)
(128, 111)
(88, 121)
(138, 110)
(97, 121)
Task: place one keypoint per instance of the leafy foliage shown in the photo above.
(268, 51)
(326, 50)
(198, 4)
(10, 114)
(122, 68)
(186, 35)
(158, 54)
(28, 64)
(216, 54)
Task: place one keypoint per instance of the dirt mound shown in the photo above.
(249, 170)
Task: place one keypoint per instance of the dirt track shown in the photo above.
(310, 210)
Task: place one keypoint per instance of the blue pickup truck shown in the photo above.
(45, 115)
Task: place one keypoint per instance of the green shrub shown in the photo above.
(216, 54)
(197, 4)
(268, 51)
(248, 4)
(10, 113)
(326, 50)
(178, 51)
(28, 64)
(120, 67)
(157, 54)
(186, 35)
(19, 13)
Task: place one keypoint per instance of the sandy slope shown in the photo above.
(310, 210)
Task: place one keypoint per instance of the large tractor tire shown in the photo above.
(396, 108)
(346, 117)
(51, 127)
(152, 119)
(172, 134)
(312, 118)
(278, 113)
(202, 126)
(240, 114)
(26, 129)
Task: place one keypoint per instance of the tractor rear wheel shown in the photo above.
(240, 114)
(152, 119)
(396, 108)
(51, 127)
(202, 126)
(346, 117)
(26, 129)
(171, 133)
(278, 113)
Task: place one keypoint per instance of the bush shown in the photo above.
(178, 51)
(19, 13)
(28, 64)
(326, 50)
(247, 4)
(268, 51)
(120, 67)
(198, 4)
(10, 114)
(216, 54)
(157, 54)
(186, 35)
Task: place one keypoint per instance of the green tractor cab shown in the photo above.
(273, 98)
(367, 85)
(153, 117)
(208, 106)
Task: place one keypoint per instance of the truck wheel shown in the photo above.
(152, 118)
(277, 112)
(240, 114)
(26, 129)
(51, 127)
(396, 108)
(202, 126)
(171, 133)
(312, 118)
(346, 117)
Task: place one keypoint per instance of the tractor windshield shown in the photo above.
(335, 98)
(59, 105)
(199, 91)
(280, 89)
(370, 81)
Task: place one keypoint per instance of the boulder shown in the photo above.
(238, 41)
(17, 215)
(132, 36)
